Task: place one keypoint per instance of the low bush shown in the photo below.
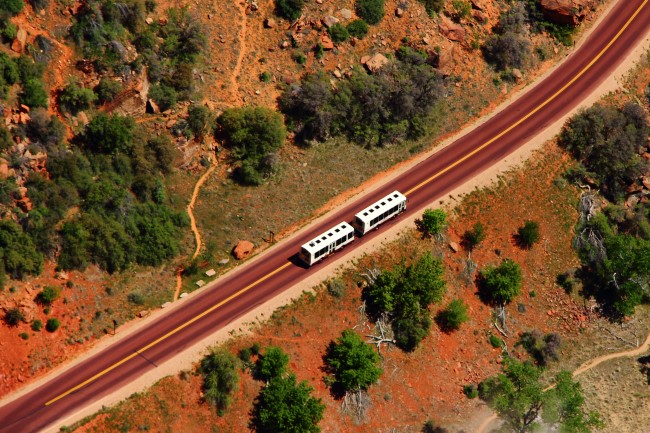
(339, 33)
(24, 335)
(470, 391)
(453, 316)
(74, 98)
(135, 298)
(496, 342)
(371, 11)
(107, 89)
(528, 235)
(52, 325)
(37, 325)
(220, 378)
(289, 9)
(48, 295)
(14, 316)
(34, 94)
(358, 29)
(433, 7)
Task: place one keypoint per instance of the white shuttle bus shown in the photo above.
(375, 214)
(325, 244)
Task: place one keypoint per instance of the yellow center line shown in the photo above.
(415, 188)
(535, 110)
(169, 334)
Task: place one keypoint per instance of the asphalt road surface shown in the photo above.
(240, 292)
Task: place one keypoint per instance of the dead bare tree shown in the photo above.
(501, 317)
(382, 333)
(356, 404)
(370, 275)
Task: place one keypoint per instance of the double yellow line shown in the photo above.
(410, 191)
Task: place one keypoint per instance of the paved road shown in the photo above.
(242, 291)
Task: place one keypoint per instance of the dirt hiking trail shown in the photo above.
(586, 366)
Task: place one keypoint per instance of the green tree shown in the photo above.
(253, 134)
(433, 222)
(220, 378)
(564, 406)
(286, 406)
(34, 94)
(289, 9)
(608, 142)
(18, 252)
(272, 364)
(502, 283)
(52, 324)
(516, 394)
(472, 238)
(508, 50)
(372, 11)
(107, 89)
(519, 398)
(14, 316)
(352, 362)
(75, 98)
(110, 134)
(454, 315)
(410, 329)
(11, 7)
(528, 234)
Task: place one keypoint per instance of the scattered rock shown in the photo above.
(61, 275)
(143, 313)
(645, 180)
(243, 249)
(284, 44)
(18, 44)
(364, 59)
(25, 204)
(165, 305)
(337, 73)
(269, 23)
(148, 20)
(399, 12)
(517, 74)
(478, 4)
(445, 60)
(183, 295)
(345, 13)
(451, 30)
(24, 108)
(479, 16)
(566, 12)
(200, 283)
(4, 168)
(375, 62)
(24, 118)
(83, 118)
(210, 273)
(454, 246)
(329, 21)
(326, 42)
(224, 261)
(253, 6)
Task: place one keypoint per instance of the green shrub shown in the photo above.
(433, 222)
(472, 238)
(107, 89)
(199, 119)
(372, 11)
(353, 363)
(163, 95)
(110, 134)
(433, 7)
(74, 98)
(9, 30)
(358, 29)
(496, 342)
(220, 378)
(273, 364)
(265, 77)
(289, 9)
(299, 58)
(500, 284)
(14, 316)
(52, 324)
(528, 234)
(48, 295)
(135, 298)
(319, 51)
(339, 33)
(34, 94)
(453, 316)
(471, 391)
(24, 335)
(37, 325)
